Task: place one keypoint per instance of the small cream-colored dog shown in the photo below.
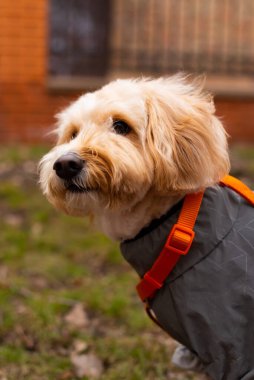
(129, 151)
(127, 155)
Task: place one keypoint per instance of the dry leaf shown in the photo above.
(87, 365)
(77, 316)
(14, 220)
(79, 346)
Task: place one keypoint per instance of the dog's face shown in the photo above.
(100, 158)
(130, 141)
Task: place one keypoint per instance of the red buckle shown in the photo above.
(180, 239)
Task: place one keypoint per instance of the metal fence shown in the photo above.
(215, 36)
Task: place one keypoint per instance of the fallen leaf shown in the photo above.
(87, 365)
(14, 220)
(2, 375)
(79, 346)
(77, 316)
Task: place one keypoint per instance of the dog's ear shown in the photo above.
(185, 139)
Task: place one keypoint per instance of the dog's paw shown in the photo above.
(186, 359)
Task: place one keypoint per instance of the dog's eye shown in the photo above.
(74, 135)
(121, 127)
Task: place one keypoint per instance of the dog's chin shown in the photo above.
(77, 189)
(77, 201)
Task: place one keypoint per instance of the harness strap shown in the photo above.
(239, 187)
(178, 243)
(181, 237)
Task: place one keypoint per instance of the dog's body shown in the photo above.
(126, 154)
(207, 301)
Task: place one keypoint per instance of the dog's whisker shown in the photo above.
(78, 182)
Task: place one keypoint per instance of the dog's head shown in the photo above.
(130, 139)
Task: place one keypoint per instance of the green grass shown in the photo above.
(50, 262)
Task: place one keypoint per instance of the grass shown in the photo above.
(49, 263)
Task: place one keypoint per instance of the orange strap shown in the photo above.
(177, 244)
(239, 187)
(181, 237)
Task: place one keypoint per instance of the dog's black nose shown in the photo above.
(68, 165)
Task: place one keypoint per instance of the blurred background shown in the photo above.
(68, 308)
(53, 50)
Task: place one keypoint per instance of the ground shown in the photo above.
(68, 304)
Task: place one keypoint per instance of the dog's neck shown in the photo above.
(126, 224)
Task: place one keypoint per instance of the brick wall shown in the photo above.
(26, 104)
(237, 116)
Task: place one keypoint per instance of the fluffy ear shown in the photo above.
(185, 139)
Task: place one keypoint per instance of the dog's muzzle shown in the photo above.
(68, 166)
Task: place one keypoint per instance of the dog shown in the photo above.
(126, 156)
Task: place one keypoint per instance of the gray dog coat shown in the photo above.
(207, 301)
